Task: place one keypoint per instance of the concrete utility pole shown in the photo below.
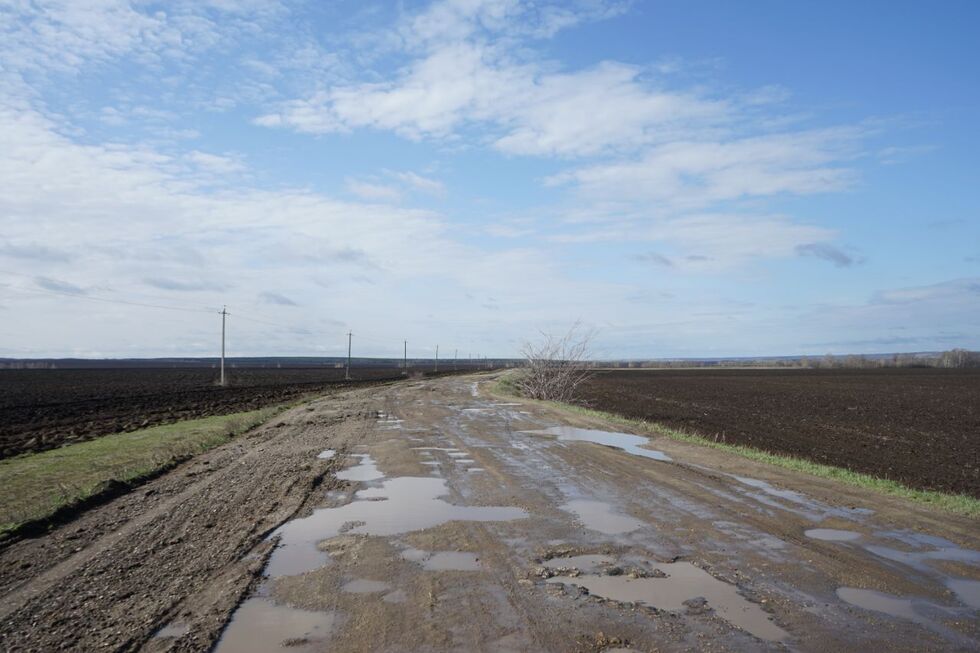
(405, 364)
(455, 355)
(347, 374)
(224, 313)
(437, 359)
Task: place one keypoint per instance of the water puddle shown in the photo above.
(599, 516)
(398, 596)
(683, 583)
(932, 548)
(443, 560)
(173, 630)
(327, 454)
(879, 602)
(968, 591)
(832, 535)
(365, 586)
(802, 504)
(260, 626)
(366, 470)
(632, 444)
(399, 505)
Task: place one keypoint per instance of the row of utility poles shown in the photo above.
(350, 337)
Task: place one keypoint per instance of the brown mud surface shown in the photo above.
(446, 519)
(915, 426)
(45, 409)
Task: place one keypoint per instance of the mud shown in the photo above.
(395, 544)
(683, 586)
(632, 444)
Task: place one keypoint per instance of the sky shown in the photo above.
(686, 177)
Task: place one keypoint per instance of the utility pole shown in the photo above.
(347, 374)
(224, 313)
(437, 359)
(405, 364)
(455, 355)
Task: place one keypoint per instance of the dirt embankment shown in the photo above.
(915, 426)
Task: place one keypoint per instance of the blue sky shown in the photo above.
(689, 178)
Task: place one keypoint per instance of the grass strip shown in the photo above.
(36, 487)
(960, 504)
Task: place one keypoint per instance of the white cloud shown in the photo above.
(692, 174)
(372, 191)
(128, 220)
(532, 111)
(418, 182)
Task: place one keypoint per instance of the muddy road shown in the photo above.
(432, 516)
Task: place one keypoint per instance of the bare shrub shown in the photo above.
(556, 365)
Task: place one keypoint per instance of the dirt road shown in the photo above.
(431, 516)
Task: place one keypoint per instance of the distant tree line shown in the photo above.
(952, 359)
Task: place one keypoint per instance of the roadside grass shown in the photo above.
(36, 487)
(960, 504)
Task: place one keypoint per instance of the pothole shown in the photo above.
(601, 517)
(443, 560)
(260, 626)
(683, 587)
(832, 535)
(632, 444)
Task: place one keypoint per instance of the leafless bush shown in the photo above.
(556, 365)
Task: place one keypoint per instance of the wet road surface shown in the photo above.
(434, 516)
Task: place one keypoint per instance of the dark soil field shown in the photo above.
(917, 426)
(44, 409)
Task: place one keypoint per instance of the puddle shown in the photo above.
(684, 582)
(586, 563)
(632, 444)
(399, 505)
(879, 602)
(805, 506)
(443, 560)
(366, 470)
(365, 586)
(476, 469)
(600, 516)
(260, 626)
(172, 630)
(968, 591)
(465, 461)
(398, 596)
(832, 535)
(474, 389)
(458, 454)
(326, 454)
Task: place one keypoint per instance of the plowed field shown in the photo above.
(43, 409)
(917, 426)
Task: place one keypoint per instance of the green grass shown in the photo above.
(960, 504)
(35, 486)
